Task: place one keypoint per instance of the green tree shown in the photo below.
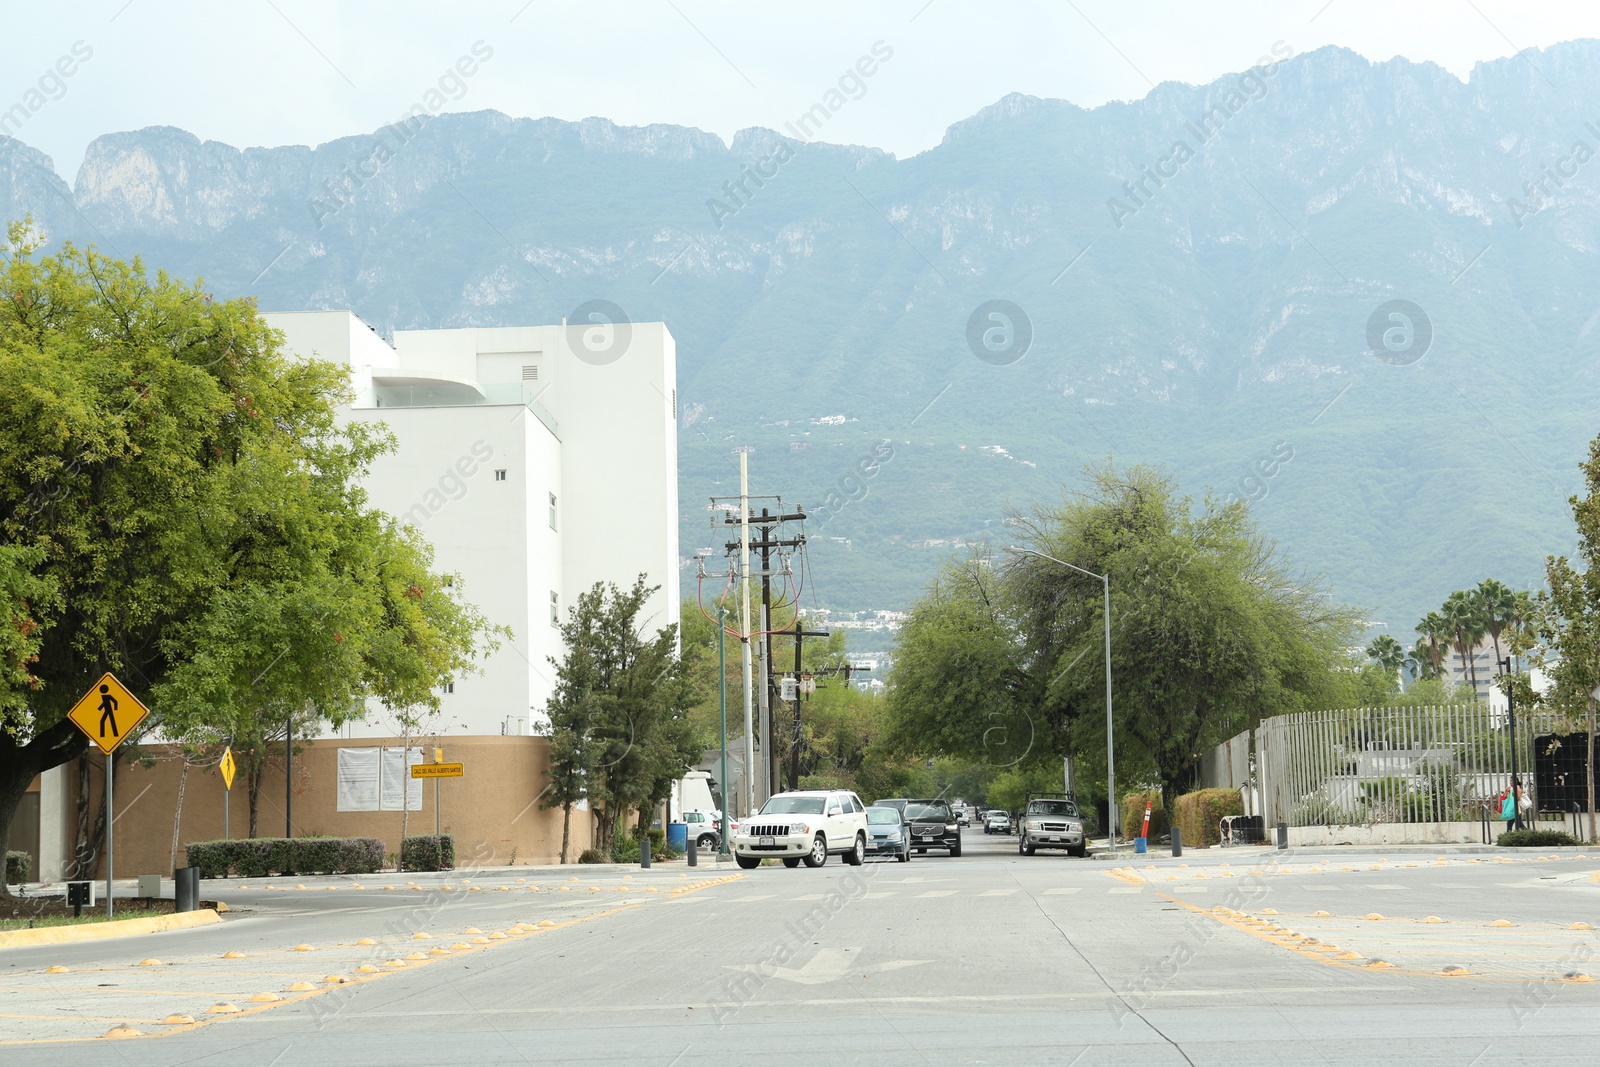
(1211, 631)
(1463, 613)
(1436, 631)
(172, 489)
(621, 730)
(1389, 653)
(1497, 606)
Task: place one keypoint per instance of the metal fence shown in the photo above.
(1390, 765)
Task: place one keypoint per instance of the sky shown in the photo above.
(276, 72)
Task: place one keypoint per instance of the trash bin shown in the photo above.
(677, 835)
(1141, 846)
(186, 894)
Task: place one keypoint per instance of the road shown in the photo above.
(1221, 957)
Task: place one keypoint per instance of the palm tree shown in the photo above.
(1422, 661)
(1436, 631)
(1389, 653)
(1464, 615)
(1499, 605)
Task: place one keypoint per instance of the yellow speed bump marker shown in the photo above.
(151, 962)
(459, 945)
(178, 1019)
(265, 998)
(304, 948)
(329, 979)
(1320, 914)
(123, 1030)
(1576, 976)
(438, 950)
(1432, 919)
(421, 937)
(497, 936)
(300, 987)
(223, 1009)
(366, 968)
(1501, 922)
(416, 955)
(233, 955)
(472, 930)
(480, 941)
(57, 969)
(1453, 969)
(366, 941)
(1574, 926)
(546, 922)
(1373, 917)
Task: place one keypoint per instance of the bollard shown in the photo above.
(1177, 841)
(186, 889)
(644, 850)
(1283, 836)
(691, 851)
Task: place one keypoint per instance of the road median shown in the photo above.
(150, 924)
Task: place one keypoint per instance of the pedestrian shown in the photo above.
(1508, 805)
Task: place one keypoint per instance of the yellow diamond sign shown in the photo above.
(227, 767)
(108, 713)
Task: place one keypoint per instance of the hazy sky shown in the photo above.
(254, 72)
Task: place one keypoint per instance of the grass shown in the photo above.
(33, 913)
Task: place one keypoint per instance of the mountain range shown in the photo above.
(1361, 295)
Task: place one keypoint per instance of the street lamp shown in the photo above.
(1111, 755)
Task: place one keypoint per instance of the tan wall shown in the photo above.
(493, 810)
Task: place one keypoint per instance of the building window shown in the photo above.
(500, 474)
(555, 609)
(449, 687)
(552, 511)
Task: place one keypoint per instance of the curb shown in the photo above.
(155, 924)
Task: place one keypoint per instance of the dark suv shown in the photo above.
(933, 825)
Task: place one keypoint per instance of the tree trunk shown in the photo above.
(257, 770)
(566, 829)
(82, 851)
(19, 764)
(177, 815)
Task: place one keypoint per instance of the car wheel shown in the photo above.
(1081, 851)
(858, 854)
(904, 856)
(791, 862)
(749, 862)
(819, 852)
(1024, 849)
(706, 842)
(920, 851)
(955, 849)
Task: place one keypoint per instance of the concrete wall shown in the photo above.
(493, 811)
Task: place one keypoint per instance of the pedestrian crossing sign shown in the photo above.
(108, 713)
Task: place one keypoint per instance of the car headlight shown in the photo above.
(894, 835)
(799, 828)
(1034, 824)
(1075, 827)
(949, 827)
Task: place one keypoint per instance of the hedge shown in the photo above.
(425, 852)
(1197, 814)
(1133, 814)
(261, 856)
(18, 864)
(1535, 839)
(593, 855)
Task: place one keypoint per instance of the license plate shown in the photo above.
(1055, 839)
(927, 837)
(765, 841)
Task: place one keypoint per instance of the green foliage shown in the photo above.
(620, 725)
(594, 855)
(1536, 839)
(18, 865)
(1199, 815)
(1003, 660)
(1133, 813)
(627, 850)
(427, 852)
(262, 856)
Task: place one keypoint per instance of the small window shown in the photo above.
(552, 511)
(530, 372)
(500, 474)
(449, 687)
(555, 609)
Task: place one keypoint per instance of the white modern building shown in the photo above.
(537, 460)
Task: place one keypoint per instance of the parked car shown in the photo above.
(933, 825)
(806, 825)
(997, 822)
(897, 803)
(1052, 821)
(702, 827)
(888, 833)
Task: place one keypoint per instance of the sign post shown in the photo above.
(437, 771)
(228, 768)
(96, 714)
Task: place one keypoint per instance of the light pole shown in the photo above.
(1111, 752)
(1511, 722)
(722, 702)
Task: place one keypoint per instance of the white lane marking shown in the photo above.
(751, 897)
(936, 893)
(998, 892)
(1131, 889)
(1060, 892)
(808, 896)
(875, 896)
(1382, 885)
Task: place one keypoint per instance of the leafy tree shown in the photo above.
(1210, 632)
(1464, 614)
(1388, 652)
(1436, 631)
(1498, 607)
(620, 724)
(179, 504)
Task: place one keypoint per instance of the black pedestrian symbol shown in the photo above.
(108, 708)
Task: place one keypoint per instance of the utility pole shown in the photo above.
(744, 630)
(799, 665)
(767, 522)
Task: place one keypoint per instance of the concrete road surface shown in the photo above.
(1222, 957)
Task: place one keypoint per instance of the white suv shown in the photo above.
(809, 825)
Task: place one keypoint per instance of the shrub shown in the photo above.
(626, 850)
(1133, 814)
(1197, 814)
(261, 856)
(18, 864)
(593, 855)
(425, 852)
(1535, 838)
